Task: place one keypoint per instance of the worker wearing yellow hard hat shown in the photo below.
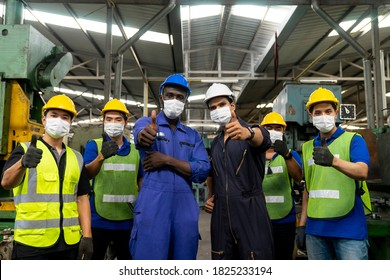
(283, 167)
(50, 187)
(114, 165)
(335, 167)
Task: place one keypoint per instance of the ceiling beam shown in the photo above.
(222, 2)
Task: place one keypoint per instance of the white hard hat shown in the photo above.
(216, 90)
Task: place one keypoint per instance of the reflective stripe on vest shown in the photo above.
(274, 199)
(119, 198)
(331, 193)
(116, 185)
(119, 167)
(38, 201)
(277, 189)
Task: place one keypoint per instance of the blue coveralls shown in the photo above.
(166, 214)
(240, 225)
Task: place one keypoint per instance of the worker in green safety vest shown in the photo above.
(283, 167)
(113, 164)
(333, 208)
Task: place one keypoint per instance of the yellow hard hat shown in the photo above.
(273, 118)
(321, 95)
(61, 102)
(115, 105)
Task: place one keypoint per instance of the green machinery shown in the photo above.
(290, 103)
(30, 65)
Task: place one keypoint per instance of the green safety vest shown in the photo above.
(39, 205)
(331, 193)
(277, 189)
(115, 186)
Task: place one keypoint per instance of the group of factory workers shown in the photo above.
(141, 204)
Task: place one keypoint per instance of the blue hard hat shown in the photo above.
(176, 79)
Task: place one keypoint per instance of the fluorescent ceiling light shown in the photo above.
(203, 125)
(94, 26)
(264, 105)
(308, 80)
(196, 97)
(149, 105)
(99, 97)
(351, 127)
(89, 121)
(388, 94)
(221, 80)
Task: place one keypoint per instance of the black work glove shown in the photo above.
(300, 238)
(109, 148)
(322, 155)
(33, 155)
(85, 248)
(281, 148)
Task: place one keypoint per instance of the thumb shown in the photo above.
(104, 136)
(234, 117)
(153, 116)
(323, 142)
(33, 141)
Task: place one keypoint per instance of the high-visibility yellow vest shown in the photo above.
(277, 189)
(44, 204)
(331, 193)
(115, 186)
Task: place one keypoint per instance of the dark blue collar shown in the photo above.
(337, 133)
(162, 120)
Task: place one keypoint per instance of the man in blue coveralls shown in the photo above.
(166, 214)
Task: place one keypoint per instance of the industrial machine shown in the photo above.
(290, 103)
(30, 65)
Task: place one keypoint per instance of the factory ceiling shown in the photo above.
(255, 52)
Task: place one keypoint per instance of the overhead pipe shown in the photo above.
(367, 57)
(119, 56)
(379, 91)
(107, 55)
(13, 12)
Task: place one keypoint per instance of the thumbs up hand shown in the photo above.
(234, 129)
(322, 155)
(147, 136)
(33, 155)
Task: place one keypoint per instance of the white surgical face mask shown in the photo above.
(173, 108)
(57, 127)
(324, 123)
(221, 116)
(275, 135)
(114, 129)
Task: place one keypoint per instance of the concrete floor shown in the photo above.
(204, 249)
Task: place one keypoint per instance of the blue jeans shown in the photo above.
(330, 248)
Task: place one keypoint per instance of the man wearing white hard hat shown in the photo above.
(240, 225)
